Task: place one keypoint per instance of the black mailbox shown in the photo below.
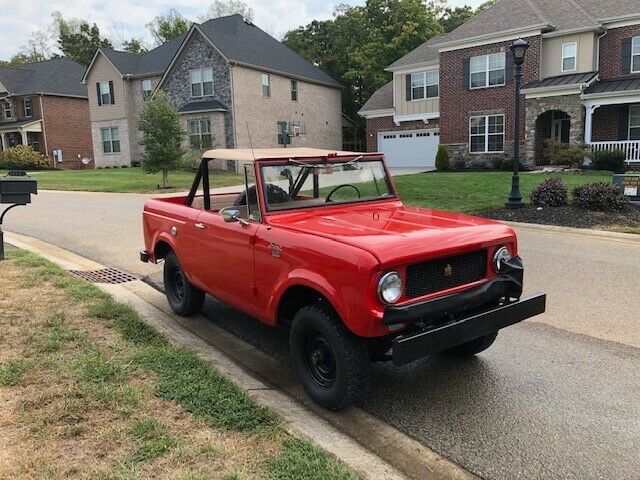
(17, 188)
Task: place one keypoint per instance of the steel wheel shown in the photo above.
(320, 360)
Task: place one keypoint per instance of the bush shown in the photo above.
(190, 161)
(610, 160)
(572, 155)
(442, 159)
(599, 196)
(23, 157)
(459, 164)
(478, 165)
(550, 193)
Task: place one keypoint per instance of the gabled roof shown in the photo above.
(382, 99)
(424, 54)
(153, 62)
(242, 43)
(58, 76)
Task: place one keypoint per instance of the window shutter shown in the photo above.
(626, 55)
(623, 123)
(509, 63)
(466, 68)
(113, 98)
(407, 87)
(99, 96)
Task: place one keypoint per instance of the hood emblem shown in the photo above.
(448, 270)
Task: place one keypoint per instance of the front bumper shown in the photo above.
(410, 347)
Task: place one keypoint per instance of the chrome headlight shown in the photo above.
(502, 255)
(390, 287)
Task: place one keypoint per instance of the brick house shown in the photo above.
(581, 83)
(44, 105)
(234, 87)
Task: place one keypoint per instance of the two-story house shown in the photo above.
(234, 86)
(581, 83)
(44, 105)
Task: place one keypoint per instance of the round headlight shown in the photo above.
(390, 287)
(501, 255)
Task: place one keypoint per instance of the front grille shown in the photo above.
(444, 273)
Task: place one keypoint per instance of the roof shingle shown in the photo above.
(58, 76)
(382, 99)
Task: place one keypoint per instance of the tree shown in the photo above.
(230, 7)
(486, 5)
(166, 27)
(134, 46)
(452, 18)
(161, 136)
(77, 39)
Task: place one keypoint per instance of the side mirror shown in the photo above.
(231, 215)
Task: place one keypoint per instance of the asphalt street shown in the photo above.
(557, 397)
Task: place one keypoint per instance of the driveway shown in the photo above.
(554, 398)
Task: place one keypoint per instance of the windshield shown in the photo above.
(300, 185)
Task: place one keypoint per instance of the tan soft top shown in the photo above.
(248, 155)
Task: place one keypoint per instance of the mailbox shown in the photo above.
(17, 188)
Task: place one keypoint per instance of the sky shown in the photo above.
(123, 19)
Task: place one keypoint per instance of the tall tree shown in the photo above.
(134, 46)
(161, 136)
(221, 8)
(77, 39)
(452, 18)
(166, 27)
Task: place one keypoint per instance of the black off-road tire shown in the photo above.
(319, 324)
(473, 347)
(184, 299)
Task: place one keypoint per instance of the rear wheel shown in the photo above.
(473, 347)
(331, 362)
(183, 297)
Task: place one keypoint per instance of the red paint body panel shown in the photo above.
(341, 251)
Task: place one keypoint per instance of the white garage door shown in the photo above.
(413, 148)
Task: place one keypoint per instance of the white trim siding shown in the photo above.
(635, 55)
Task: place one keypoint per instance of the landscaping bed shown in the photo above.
(88, 390)
(627, 220)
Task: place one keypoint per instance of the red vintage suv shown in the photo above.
(320, 243)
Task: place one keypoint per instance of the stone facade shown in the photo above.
(111, 159)
(198, 53)
(569, 104)
(386, 124)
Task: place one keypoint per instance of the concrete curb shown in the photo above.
(584, 232)
(389, 454)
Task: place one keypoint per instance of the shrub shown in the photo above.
(600, 196)
(610, 160)
(23, 157)
(478, 165)
(550, 193)
(573, 154)
(190, 161)
(442, 159)
(459, 164)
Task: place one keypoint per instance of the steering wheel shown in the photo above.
(339, 187)
(275, 194)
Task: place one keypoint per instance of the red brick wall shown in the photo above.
(67, 126)
(611, 51)
(386, 124)
(606, 121)
(457, 100)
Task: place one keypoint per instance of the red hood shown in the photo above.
(394, 233)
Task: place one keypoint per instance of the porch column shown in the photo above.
(4, 141)
(23, 134)
(588, 123)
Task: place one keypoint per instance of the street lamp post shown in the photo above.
(518, 49)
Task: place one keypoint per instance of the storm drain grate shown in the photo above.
(106, 275)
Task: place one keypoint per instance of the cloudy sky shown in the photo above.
(123, 19)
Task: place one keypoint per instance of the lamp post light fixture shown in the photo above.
(518, 49)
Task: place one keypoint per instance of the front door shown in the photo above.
(560, 128)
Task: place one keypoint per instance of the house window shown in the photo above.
(284, 137)
(266, 85)
(28, 110)
(147, 89)
(294, 90)
(487, 70)
(635, 55)
(425, 84)
(486, 134)
(200, 134)
(634, 123)
(105, 94)
(8, 113)
(110, 139)
(201, 82)
(569, 53)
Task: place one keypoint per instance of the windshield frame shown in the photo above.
(260, 164)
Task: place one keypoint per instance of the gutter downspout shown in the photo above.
(44, 130)
(598, 51)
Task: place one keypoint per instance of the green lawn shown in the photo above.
(470, 192)
(124, 180)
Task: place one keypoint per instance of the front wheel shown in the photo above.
(473, 347)
(331, 362)
(184, 299)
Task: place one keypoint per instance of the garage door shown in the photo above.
(414, 148)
